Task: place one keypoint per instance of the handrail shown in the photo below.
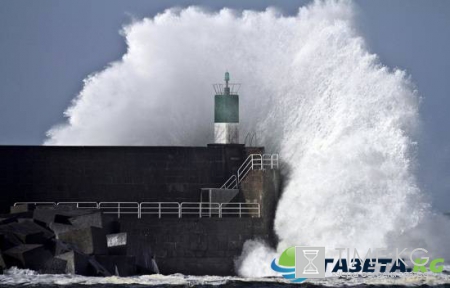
(201, 206)
(35, 203)
(270, 160)
(238, 209)
(253, 162)
(95, 204)
(120, 208)
(231, 183)
(201, 209)
(159, 209)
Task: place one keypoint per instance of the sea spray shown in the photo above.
(342, 122)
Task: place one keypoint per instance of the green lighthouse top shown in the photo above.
(227, 88)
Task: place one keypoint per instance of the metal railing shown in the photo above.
(80, 205)
(36, 203)
(119, 208)
(253, 162)
(188, 209)
(202, 209)
(231, 183)
(270, 161)
(240, 209)
(159, 208)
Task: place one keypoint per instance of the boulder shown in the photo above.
(58, 214)
(146, 264)
(96, 219)
(76, 263)
(54, 266)
(8, 239)
(44, 214)
(11, 218)
(32, 256)
(59, 228)
(30, 225)
(2, 262)
(119, 265)
(17, 231)
(117, 243)
(21, 208)
(59, 247)
(97, 269)
(90, 240)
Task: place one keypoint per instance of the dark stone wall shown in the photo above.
(194, 246)
(60, 173)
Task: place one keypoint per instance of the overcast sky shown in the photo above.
(48, 47)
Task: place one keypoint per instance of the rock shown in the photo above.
(117, 243)
(97, 269)
(76, 263)
(59, 228)
(11, 218)
(8, 240)
(21, 208)
(44, 214)
(59, 247)
(96, 219)
(146, 264)
(33, 226)
(54, 266)
(2, 262)
(119, 265)
(62, 219)
(87, 220)
(32, 256)
(58, 214)
(27, 234)
(91, 240)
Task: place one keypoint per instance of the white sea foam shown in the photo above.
(343, 123)
(16, 276)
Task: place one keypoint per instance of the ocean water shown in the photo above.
(25, 278)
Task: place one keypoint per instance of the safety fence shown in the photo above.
(253, 162)
(164, 209)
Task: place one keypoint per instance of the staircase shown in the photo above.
(253, 162)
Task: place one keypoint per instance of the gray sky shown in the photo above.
(48, 47)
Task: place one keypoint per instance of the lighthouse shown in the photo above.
(226, 112)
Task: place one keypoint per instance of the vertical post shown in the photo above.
(259, 211)
(210, 197)
(139, 210)
(200, 210)
(118, 209)
(240, 210)
(159, 210)
(180, 206)
(220, 210)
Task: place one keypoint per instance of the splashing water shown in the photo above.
(342, 122)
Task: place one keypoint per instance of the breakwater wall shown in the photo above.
(190, 245)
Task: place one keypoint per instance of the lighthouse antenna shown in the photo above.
(227, 78)
(227, 89)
